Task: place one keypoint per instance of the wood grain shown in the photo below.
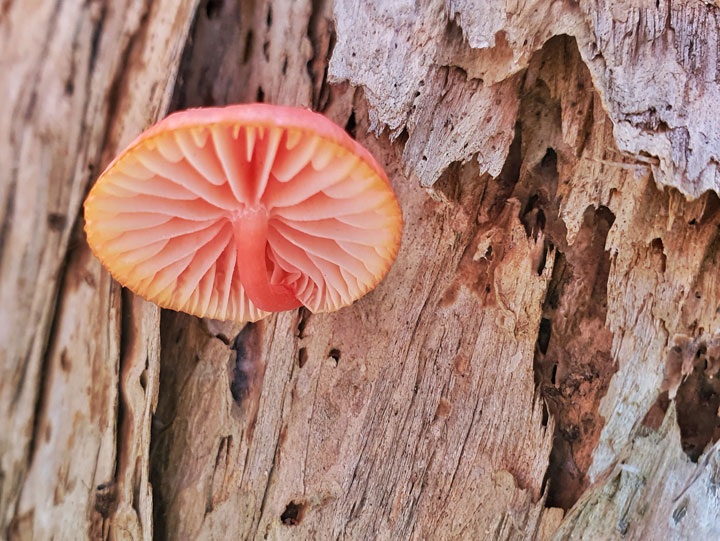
(80, 79)
(540, 362)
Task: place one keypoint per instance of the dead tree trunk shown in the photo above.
(540, 363)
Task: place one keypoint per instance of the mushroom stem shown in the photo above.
(250, 226)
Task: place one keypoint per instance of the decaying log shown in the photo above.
(541, 361)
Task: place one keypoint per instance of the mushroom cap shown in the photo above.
(235, 212)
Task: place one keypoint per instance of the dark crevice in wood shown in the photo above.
(712, 207)
(544, 335)
(573, 363)
(692, 380)
(321, 34)
(294, 513)
(573, 367)
(105, 499)
(9, 212)
(302, 357)
(213, 8)
(95, 39)
(248, 50)
(698, 403)
(248, 350)
(350, 125)
(303, 318)
(657, 246)
(223, 338)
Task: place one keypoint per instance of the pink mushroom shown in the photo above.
(236, 212)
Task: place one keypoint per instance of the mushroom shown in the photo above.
(236, 212)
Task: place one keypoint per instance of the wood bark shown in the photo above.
(542, 360)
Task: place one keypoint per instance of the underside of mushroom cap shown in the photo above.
(236, 212)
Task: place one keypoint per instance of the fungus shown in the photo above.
(236, 212)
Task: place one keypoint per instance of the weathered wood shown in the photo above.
(541, 361)
(662, 275)
(79, 80)
(654, 66)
